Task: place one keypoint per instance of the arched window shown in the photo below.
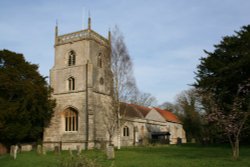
(71, 120)
(71, 83)
(125, 131)
(71, 58)
(99, 61)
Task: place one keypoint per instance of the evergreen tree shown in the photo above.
(25, 102)
(223, 77)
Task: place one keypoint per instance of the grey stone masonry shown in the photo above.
(82, 82)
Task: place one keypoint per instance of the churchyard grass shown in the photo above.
(151, 156)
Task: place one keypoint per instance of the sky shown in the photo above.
(165, 38)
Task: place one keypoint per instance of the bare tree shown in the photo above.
(125, 88)
(122, 68)
(124, 81)
(110, 123)
(144, 99)
(168, 106)
(189, 110)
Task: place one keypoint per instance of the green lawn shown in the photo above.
(158, 156)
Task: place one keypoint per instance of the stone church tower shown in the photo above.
(82, 81)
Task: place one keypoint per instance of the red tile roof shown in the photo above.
(143, 110)
(127, 110)
(136, 111)
(169, 116)
(133, 110)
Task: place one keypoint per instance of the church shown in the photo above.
(82, 82)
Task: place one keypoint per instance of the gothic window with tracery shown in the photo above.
(71, 83)
(125, 131)
(71, 120)
(71, 58)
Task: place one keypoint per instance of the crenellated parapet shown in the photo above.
(81, 35)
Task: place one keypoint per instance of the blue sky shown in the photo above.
(165, 38)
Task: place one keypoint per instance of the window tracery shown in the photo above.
(71, 120)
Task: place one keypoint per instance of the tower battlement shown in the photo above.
(81, 35)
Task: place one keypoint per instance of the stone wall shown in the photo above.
(141, 129)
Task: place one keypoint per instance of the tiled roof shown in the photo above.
(169, 116)
(127, 110)
(143, 110)
(136, 111)
(133, 110)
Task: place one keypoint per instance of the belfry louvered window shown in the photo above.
(71, 83)
(99, 61)
(71, 58)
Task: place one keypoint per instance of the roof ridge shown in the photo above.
(168, 115)
(139, 106)
(138, 111)
(141, 110)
